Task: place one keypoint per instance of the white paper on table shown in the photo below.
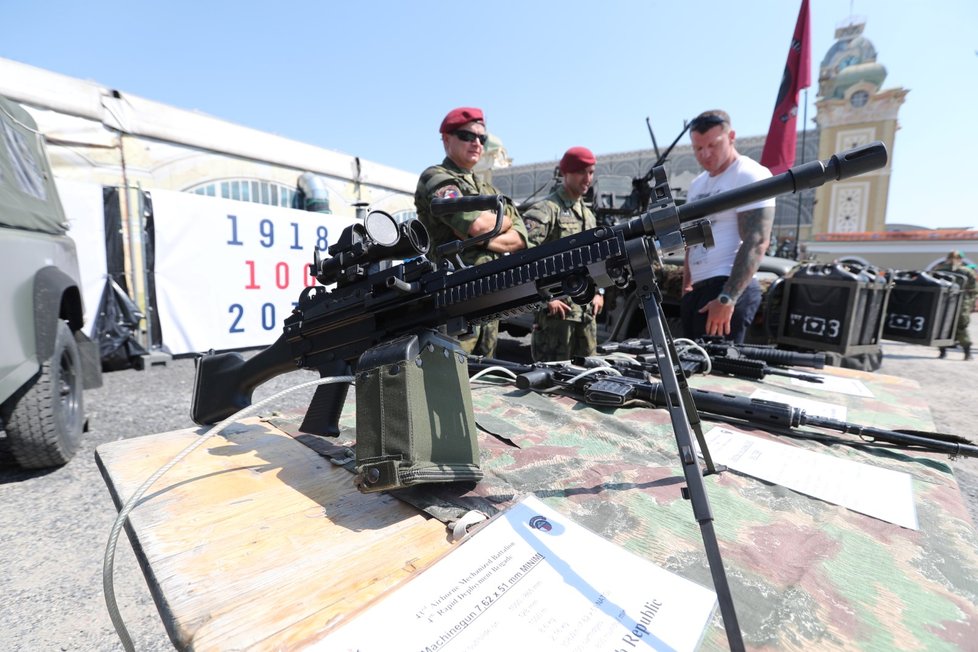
(532, 579)
(815, 408)
(881, 493)
(852, 386)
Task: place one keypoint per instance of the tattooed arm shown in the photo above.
(755, 232)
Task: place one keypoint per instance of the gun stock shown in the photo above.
(225, 382)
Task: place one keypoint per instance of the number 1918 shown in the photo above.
(266, 235)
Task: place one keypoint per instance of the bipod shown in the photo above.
(684, 417)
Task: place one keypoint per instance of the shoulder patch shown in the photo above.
(448, 192)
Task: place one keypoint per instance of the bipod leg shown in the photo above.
(689, 407)
(679, 403)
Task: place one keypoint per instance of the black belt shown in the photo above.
(704, 282)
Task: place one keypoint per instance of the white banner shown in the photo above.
(228, 272)
(83, 207)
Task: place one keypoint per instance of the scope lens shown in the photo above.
(381, 228)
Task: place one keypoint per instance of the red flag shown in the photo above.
(779, 148)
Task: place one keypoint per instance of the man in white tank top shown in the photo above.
(720, 294)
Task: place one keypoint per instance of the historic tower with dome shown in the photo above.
(852, 110)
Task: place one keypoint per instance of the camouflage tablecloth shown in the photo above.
(804, 574)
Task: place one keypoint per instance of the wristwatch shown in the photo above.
(725, 299)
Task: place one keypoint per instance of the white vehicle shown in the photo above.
(45, 358)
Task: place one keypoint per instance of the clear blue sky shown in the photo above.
(373, 79)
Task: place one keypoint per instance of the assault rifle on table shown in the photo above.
(607, 386)
(374, 312)
(715, 356)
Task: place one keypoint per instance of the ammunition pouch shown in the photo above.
(414, 414)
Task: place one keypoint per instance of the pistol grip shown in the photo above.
(323, 415)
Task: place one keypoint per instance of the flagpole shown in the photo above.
(801, 196)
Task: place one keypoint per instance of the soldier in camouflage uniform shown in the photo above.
(463, 134)
(564, 329)
(955, 263)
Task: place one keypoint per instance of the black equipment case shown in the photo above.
(836, 307)
(923, 308)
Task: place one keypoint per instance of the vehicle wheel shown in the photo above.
(45, 426)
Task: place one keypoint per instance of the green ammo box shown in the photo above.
(414, 414)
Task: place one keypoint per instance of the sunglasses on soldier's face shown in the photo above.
(469, 136)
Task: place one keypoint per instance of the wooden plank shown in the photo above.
(257, 541)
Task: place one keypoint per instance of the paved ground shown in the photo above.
(951, 389)
(54, 524)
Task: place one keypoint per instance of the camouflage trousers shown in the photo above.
(562, 339)
(964, 317)
(483, 340)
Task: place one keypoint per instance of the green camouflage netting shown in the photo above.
(804, 574)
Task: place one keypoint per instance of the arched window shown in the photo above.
(253, 190)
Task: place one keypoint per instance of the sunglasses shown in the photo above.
(469, 136)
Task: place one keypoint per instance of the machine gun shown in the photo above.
(714, 356)
(371, 310)
(607, 386)
(330, 329)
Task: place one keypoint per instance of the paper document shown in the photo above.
(814, 408)
(871, 490)
(531, 579)
(852, 386)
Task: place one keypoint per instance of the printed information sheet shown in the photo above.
(871, 490)
(532, 579)
(837, 384)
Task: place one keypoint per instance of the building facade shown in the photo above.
(852, 109)
(913, 249)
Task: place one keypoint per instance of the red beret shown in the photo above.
(459, 118)
(576, 159)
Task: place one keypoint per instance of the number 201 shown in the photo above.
(237, 311)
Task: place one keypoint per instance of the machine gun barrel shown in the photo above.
(665, 221)
(952, 446)
(844, 165)
(761, 412)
